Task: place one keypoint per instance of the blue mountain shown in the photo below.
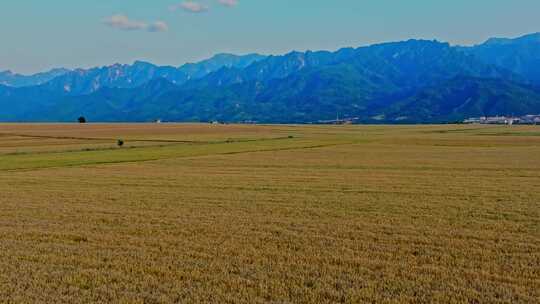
(520, 55)
(409, 81)
(8, 78)
(86, 81)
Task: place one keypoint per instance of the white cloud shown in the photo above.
(122, 22)
(190, 6)
(158, 26)
(229, 3)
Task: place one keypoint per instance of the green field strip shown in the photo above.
(152, 153)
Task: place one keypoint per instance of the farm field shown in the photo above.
(187, 213)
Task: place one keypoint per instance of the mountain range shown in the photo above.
(415, 81)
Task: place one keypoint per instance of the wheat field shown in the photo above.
(187, 213)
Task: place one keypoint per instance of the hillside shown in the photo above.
(520, 55)
(461, 98)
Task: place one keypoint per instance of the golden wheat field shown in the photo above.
(269, 214)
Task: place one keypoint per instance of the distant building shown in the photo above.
(530, 119)
(473, 120)
(503, 120)
(340, 121)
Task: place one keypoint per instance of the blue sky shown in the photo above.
(38, 35)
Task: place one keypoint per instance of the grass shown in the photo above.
(245, 214)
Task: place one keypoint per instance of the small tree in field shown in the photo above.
(120, 142)
(82, 119)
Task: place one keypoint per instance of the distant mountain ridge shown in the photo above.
(9, 78)
(520, 55)
(81, 81)
(415, 81)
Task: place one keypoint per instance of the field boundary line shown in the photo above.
(141, 140)
(163, 144)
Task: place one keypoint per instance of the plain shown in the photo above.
(269, 214)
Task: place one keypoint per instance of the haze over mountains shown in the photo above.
(411, 81)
